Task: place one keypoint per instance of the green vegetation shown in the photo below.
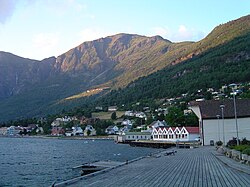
(244, 144)
(135, 68)
(218, 66)
(219, 143)
(246, 151)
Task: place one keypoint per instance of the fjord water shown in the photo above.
(40, 161)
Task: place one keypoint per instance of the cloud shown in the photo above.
(7, 8)
(183, 33)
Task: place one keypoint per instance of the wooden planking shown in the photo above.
(188, 167)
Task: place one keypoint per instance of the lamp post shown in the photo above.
(235, 116)
(218, 117)
(223, 128)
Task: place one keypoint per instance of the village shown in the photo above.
(214, 121)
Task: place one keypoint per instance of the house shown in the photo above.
(140, 115)
(156, 124)
(126, 122)
(133, 136)
(175, 134)
(39, 130)
(124, 129)
(129, 113)
(112, 130)
(56, 123)
(112, 108)
(77, 131)
(214, 127)
(3, 131)
(13, 131)
(31, 127)
(89, 131)
(57, 131)
(99, 108)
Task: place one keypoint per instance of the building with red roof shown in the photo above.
(175, 134)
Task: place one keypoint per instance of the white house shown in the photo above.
(174, 134)
(133, 136)
(112, 108)
(89, 131)
(126, 122)
(140, 115)
(214, 127)
(77, 131)
(156, 124)
(129, 113)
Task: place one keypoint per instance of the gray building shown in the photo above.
(217, 119)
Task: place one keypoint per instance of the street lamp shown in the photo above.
(218, 117)
(223, 128)
(235, 115)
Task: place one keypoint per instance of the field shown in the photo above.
(106, 115)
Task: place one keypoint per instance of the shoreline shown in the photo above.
(64, 137)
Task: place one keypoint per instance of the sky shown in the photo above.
(39, 29)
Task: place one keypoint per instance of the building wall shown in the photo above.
(212, 132)
(190, 137)
(131, 137)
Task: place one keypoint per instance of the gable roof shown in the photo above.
(209, 109)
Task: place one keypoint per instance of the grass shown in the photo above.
(106, 115)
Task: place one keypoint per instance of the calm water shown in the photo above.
(40, 162)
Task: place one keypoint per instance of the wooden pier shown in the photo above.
(187, 167)
(164, 144)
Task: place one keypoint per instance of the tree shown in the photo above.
(175, 117)
(113, 116)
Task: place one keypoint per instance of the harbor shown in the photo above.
(202, 166)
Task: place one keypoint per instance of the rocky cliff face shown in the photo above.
(17, 73)
(113, 62)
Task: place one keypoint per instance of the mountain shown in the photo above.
(121, 61)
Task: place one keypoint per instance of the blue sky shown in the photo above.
(38, 29)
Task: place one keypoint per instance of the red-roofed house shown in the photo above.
(211, 122)
(174, 134)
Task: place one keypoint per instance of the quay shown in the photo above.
(202, 166)
(163, 144)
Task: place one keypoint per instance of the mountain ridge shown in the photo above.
(114, 61)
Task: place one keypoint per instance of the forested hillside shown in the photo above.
(123, 69)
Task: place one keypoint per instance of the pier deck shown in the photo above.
(188, 167)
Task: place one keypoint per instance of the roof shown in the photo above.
(211, 108)
(138, 133)
(193, 130)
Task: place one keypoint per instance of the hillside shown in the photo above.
(147, 67)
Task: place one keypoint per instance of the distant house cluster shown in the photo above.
(58, 130)
(135, 114)
(126, 125)
(16, 131)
